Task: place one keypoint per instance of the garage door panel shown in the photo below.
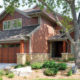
(9, 54)
(0, 55)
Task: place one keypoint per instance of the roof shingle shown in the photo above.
(16, 33)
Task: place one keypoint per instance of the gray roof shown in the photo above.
(33, 12)
(16, 34)
(58, 37)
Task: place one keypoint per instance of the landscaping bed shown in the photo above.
(38, 74)
(48, 70)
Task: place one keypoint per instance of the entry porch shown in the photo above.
(60, 47)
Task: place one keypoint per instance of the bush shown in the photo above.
(49, 64)
(2, 72)
(36, 65)
(71, 59)
(50, 71)
(69, 73)
(7, 72)
(10, 75)
(27, 63)
(19, 66)
(1, 78)
(62, 66)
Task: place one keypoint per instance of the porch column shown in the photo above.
(21, 57)
(21, 46)
(64, 46)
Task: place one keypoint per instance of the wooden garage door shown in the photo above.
(9, 54)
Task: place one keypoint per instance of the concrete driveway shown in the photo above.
(6, 65)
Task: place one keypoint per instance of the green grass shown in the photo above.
(58, 79)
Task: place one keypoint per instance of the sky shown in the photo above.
(25, 7)
(21, 8)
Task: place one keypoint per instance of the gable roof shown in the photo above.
(58, 37)
(16, 34)
(4, 13)
(28, 12)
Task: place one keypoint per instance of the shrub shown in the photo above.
(62, 66)
(19, 66)
(10, 75)
(1, 78)
(49, 64)
(69, 73)
(27, 63)
(2, 72)
(50, 71)
(36, 65)
(7, 72)
(71, 59)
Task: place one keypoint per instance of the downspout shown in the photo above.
(30, 48)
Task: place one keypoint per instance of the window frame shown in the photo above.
(11, 21)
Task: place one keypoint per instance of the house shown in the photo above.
(31, 34)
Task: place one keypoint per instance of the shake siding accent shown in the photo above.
(25, 20)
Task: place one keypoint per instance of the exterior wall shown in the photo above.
(25, 20)
(26, 46)
(39, 40)
(66, 56)
(37, 57)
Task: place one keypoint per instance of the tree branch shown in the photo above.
(76, 25)
(58, 21)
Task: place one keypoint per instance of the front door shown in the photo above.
(57, 48)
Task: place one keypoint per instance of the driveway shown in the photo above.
(6, 65)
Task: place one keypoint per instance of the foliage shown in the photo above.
(10, 75)
(1, 78)
(49, 64)
(71, 59)
(7, 72)
(69, 73)
(2, 72)
(36, 65)
(65, 60)
(55, 79)
(19, 66)
(50, 71)
(27, 63)
(52, 64)
(62, 66)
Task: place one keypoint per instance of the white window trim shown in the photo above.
(12, 24)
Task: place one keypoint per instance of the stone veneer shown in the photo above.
(38, 57)
(67, 55)
(34, 57)
(21, 58)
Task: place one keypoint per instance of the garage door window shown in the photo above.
(11, 45)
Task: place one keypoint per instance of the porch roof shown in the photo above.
(16, 34)
(58, 37)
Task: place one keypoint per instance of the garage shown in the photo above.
(8, 53)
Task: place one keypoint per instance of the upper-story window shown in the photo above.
(12, 24)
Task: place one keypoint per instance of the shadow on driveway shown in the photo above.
(6, 65)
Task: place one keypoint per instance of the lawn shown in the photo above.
(58, 79)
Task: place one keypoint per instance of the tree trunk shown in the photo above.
(76, 35)
(77, 54)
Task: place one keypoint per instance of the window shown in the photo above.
(12, 24)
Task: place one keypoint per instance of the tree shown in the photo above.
(69, 8)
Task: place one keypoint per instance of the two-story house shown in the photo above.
(31, 32)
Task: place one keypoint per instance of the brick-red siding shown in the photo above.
(25, 20)
(39, 43)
